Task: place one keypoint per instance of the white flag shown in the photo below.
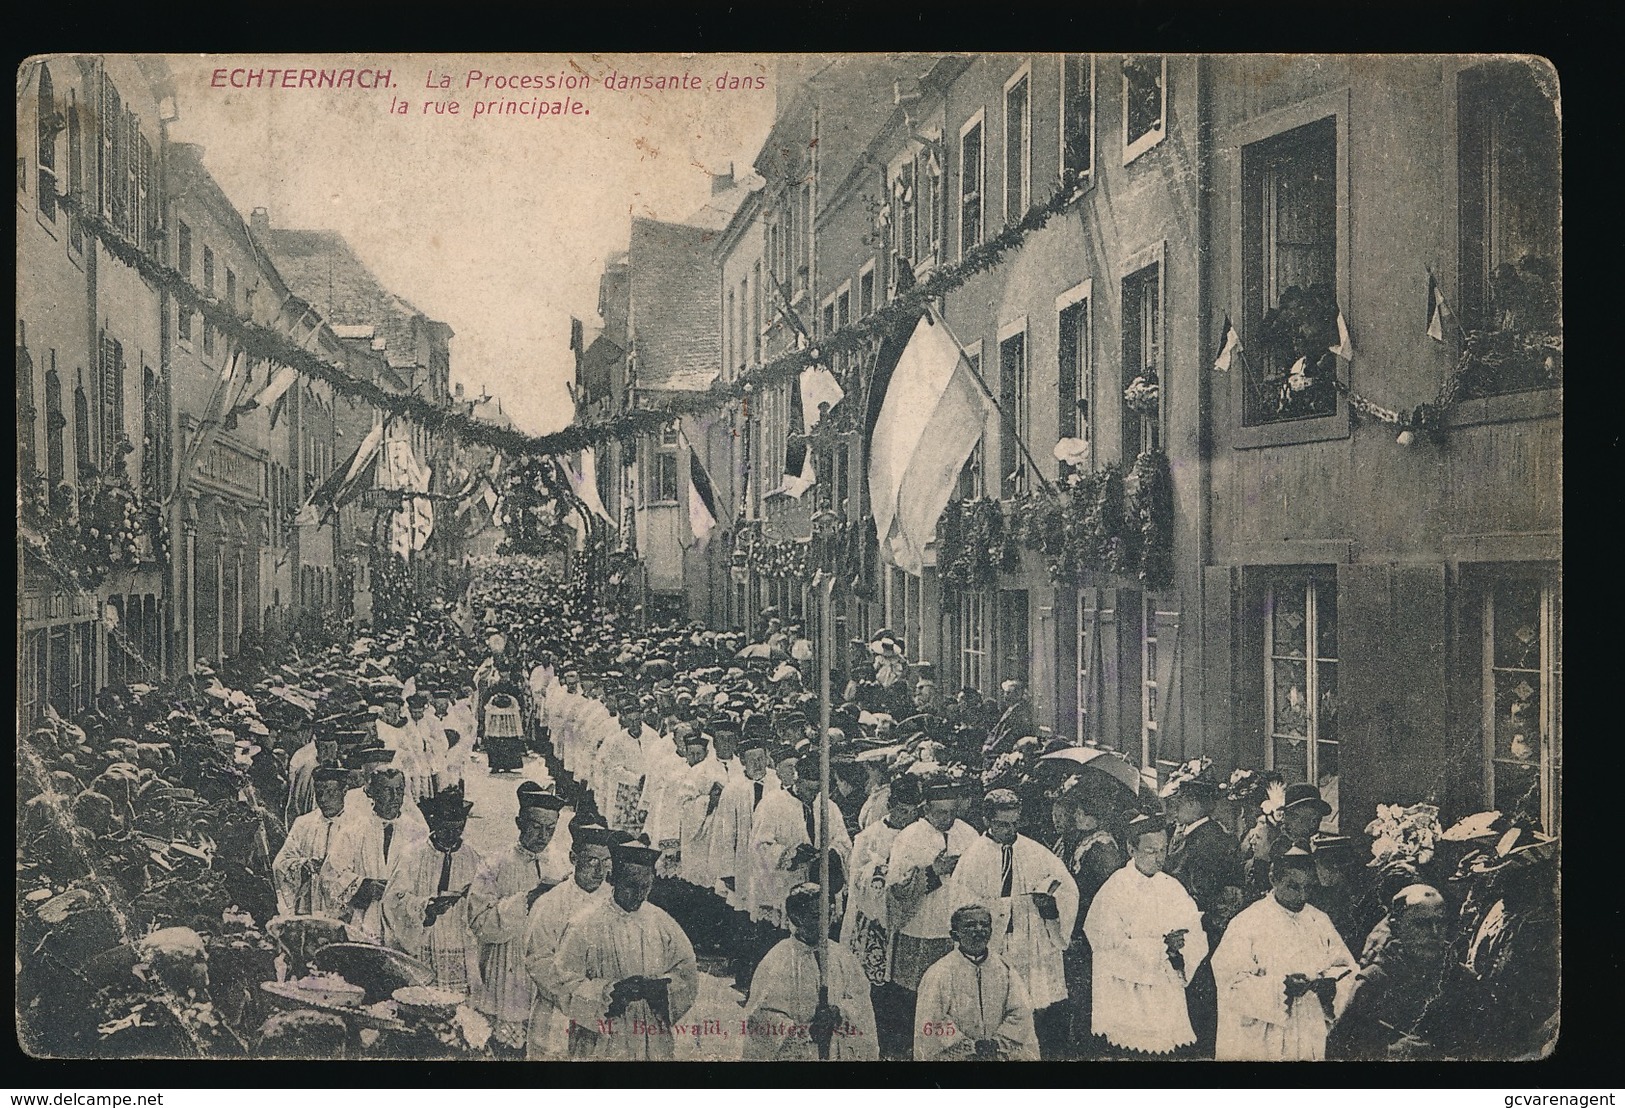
(818, 386)
(1344, 348)
(915, 462)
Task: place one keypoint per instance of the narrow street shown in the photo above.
(718, 1009)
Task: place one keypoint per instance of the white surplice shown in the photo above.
(366, 859)
(313, 838)
(1138, 995)
(961, 1001)
(779, 827)
(618, 780)
(784, 998)
(732, 856)
(301, 783)
(915, 849)
(696, 827)
(545, 928)
(608, 944)
(448, 946)
(500, 912)
(1262, 945)
(1033, 946)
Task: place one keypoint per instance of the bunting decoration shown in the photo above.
(1229, 348)
(1436, 310)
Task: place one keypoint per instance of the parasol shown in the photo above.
(756, 650)
(1102, 761)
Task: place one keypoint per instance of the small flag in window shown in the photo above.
(1437, 310)
(1231, 346)
(1345, 346)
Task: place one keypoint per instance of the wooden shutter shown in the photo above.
(106, 398)
(1219, 735)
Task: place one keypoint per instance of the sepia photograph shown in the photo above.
(858, 557)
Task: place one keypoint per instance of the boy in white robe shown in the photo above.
(1147, 938)
(501, 900)
(428, 749)
(618, 780)
(1034, 903)
(1282, 971)
(310, 875)
(426, 903)
(323, 750)
(627, 971)
(545, 928)
(972, 1005)
(783, 1019)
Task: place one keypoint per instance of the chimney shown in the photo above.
(722, 182)
(259, 221)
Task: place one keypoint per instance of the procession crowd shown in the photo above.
(209, 867)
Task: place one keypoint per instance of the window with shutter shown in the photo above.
(55, 422)
(81, 429)
(76, 158)
(46, 148)
(131, 165)
(149, 205)
(106, 175)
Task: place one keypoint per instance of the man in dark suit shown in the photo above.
(1204, 857)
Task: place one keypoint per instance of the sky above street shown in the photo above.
(498, 225)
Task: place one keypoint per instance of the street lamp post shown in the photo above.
(824, 530)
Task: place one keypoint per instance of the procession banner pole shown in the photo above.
(825, 900)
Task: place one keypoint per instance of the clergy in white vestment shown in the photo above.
(461, 718)
(563, 702)
(972, 1006)
(784, 1021)
(1147, 938)
(695, 799)
(618, 772)
(1282, 971)
(310, 876)
(549, 919)
(664, 769)
(785, 835)
(627, 970)
(370, 761)
(426, 903)
(1033, 899)
(454, 761)
(747, 785)
(323, 750)
(867, 929)
(427, 741)
(922, 860)
(396, 732)
(376, 836)
(506, 889)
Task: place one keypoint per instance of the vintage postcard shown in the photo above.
(863, 557)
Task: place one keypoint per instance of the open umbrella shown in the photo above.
(756, 650)
(1102, 761)
(657, 669)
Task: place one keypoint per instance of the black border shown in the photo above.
(1575, 43)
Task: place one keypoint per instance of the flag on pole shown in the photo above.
(1231, 346)
(702, 500)
(583, 477)
(274, 395)
(818, 387)
(345, 483)
(1345, 347)
(799, 475)
(915, 462)
(1437, 310)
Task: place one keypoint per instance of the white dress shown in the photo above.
(545, 928)
(607, 944)
(1262, 945)
(1138, 995)
(784, 998)
(961, 1001)
(500, 915)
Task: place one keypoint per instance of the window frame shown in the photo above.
(977, 122)
(1019, 407)
(1084, 177)
(866, 274)
(1317, 583)
(1080, 299)
(1132, 269)
(1336, 104)
(974, 660)
(1152, 138)
(1024, 72)
(1548, 672)
(975, 487)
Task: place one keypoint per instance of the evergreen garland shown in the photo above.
(974, 546)
(1152, 507)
